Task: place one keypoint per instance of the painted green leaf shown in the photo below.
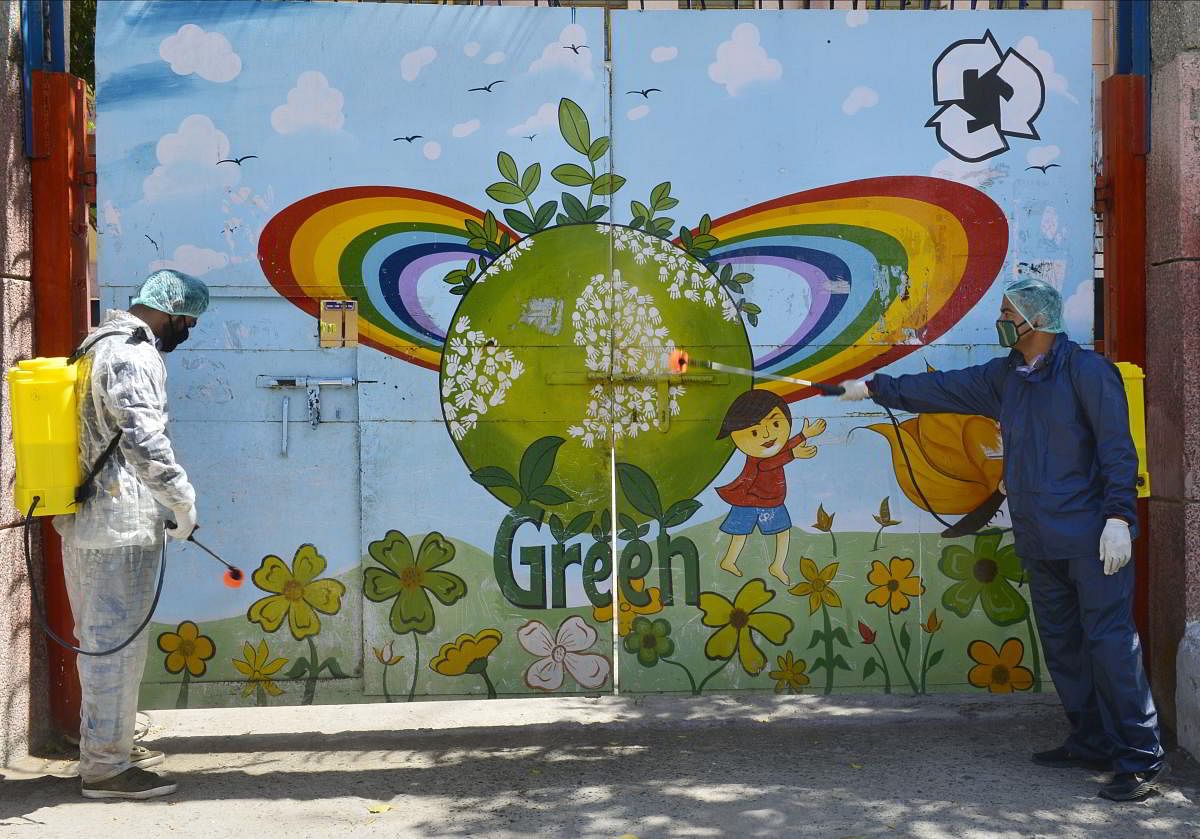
(505, 193)
(664, 225)
(743, 278)
(470, 269)
(538, 462)
(598, 149)
(840, 663)
(869, 668)
(680, 512)
(905, 640)
(459, 290)
(608, 184)
(507, 167)
(685, 236)
(489, 225)
(573, 124)
(817, 637)
(960, 597)
(704, 241)
(596, 213)
(579, 524)
(519, 222)
(531, 178)
(753, 318)
(839, 635)
(627, 523)
(299, 669)
(637, 222)
(574, 207)
(556, 528)
(751, 308)
(699, 253)
(494, 476)
(477, 243)
(544, 213)
(571, 174)
(735, 287)
(549, 496)
(331, 667)
(820, 664)
(706, 224)
(475, 229)
(561, 219)
(666, 204)
(639, 490)
(934, 658)
(659, 193)
(505, 240)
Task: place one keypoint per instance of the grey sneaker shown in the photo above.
(144, 758)
(133, 783)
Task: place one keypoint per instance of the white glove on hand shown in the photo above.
(856, 391)
(1115, 546)
(185, 523)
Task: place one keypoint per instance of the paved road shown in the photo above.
(656, 767)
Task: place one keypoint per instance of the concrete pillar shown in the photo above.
(1173, 361)
(20, 679)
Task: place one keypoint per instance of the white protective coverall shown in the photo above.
(112, 545)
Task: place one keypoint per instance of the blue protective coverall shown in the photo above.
(1069, 464)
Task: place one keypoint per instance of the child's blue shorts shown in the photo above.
(741, 520)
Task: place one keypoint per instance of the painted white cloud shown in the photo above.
(555, 55)
(471, 49)
(193, 260)
(112, 218)
(1044, 61)
(1079, 311)
(496, 57)
(979, 175)
(465, 129)
(660, 54)
(638, 112)
(1042, 155)
(859, 98)
(742, 61)
(207, 54)
(1052, 229)
(857, 17)
(187, 161)
(412, 63)
(545, 117)
(312, 103)
(432, 150)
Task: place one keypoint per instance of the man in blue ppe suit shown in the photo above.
(1070, 472)
(113, 543)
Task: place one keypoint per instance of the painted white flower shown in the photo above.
(564, 652)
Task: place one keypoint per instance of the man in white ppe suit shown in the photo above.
(113, 543)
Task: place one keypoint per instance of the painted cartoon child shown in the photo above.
(759, 422)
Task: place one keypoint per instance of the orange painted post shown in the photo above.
(1123, 187)
(60, 310)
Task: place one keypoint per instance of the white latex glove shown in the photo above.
(185, 523)
(1115, 546)
(856, 391)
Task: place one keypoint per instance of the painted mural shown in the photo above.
(507, 485)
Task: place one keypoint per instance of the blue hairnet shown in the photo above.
(1038, 302)
(173, 292)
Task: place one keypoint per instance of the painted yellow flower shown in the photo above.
(790, 676)
(894, 584)
(295, 593)
(186, 647)
(818, 585)
(385, 655)
(955, 457)
(467, 654)
(258, 669)
(933, 623)
(737, 621)
(626, 610)
(999, 672)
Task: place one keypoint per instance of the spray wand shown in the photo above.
(680, 360)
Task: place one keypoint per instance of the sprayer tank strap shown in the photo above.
(138, 336)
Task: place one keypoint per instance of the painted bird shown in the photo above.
(238, 160)
(645, 93)
(156, 247)
(1044, 168)
(409, 138)
(487, 88)
(575, 48)
(529, 137)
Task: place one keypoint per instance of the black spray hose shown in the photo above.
(39, 609)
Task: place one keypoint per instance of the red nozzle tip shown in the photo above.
(234, 577)
(679, 361)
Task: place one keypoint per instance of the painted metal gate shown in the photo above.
(453, 253)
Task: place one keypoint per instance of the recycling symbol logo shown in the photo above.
(985, 97)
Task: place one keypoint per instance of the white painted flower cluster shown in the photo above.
(679, 272)
(477, 376)
(617, 318)
(504, 262)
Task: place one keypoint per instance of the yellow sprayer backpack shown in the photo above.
(45, 423)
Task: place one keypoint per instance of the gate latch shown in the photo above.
(311, 385)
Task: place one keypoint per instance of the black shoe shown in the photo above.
(1132, 786)
(133, 783)
(1062, 758)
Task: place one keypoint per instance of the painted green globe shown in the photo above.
(568, 334)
